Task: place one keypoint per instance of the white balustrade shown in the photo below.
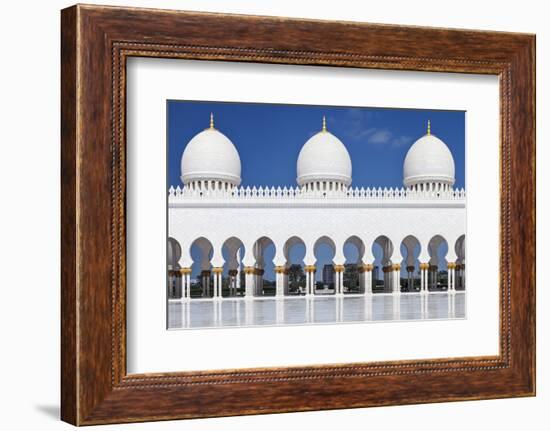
(286, 193)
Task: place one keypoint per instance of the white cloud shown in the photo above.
(401, 141)
(380, 137)
(355, 131)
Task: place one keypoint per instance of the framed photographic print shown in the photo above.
(316, 215)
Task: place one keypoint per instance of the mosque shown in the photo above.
(408, 240)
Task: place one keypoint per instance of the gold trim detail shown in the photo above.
(367, 267)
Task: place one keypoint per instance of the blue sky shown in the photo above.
(269, 137)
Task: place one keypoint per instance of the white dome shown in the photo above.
(428, 160)
(323, 158)
(210, 155)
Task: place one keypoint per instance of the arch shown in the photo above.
(324, 251)
(233, 282)
(201, 251)
(410, 265)
(264, 253)
(382, 277)
(294, 251)
(354, 252)
(174, 253)
(460, 270)
(174, 282)
(460, 248)
(438, 276)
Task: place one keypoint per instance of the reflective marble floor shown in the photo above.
(238, 312)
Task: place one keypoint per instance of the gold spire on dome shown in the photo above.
(429, 128)
(211, 121)
(324, 124)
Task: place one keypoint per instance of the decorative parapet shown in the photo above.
(179, 194)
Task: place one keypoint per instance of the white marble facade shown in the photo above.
(232, 225)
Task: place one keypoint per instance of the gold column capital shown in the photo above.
(451, 265)
(310, 268)
(396, 266)
(280, 269)
(388, 268)
(185, 270)
(339, 268)
(249, 270)
(217, 269)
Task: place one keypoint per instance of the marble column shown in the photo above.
(310, 279)
(238, 274)
(424, 277)
(367, 270)
(249, 282)
(338, 279)
(396, 288)
(217, 282)
(280, 281)
(186, 282)
(451, 276)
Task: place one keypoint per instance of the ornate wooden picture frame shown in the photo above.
(96, 42)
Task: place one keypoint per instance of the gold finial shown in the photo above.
(211, 120)
(429, 128)
(324, 124)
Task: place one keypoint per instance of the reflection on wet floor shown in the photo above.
(231, 313)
